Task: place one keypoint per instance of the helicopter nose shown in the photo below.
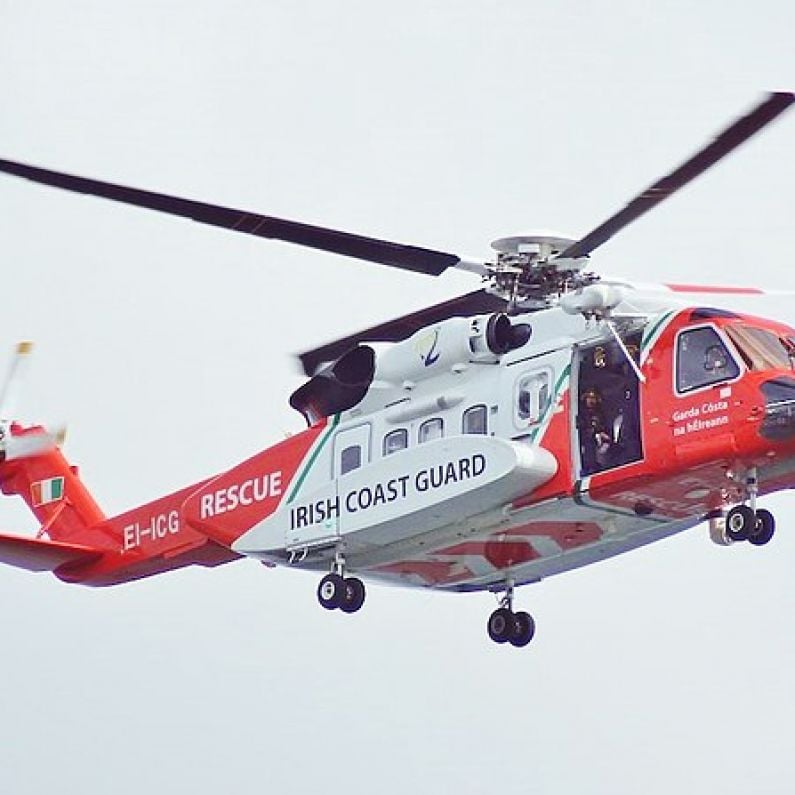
(779, 422)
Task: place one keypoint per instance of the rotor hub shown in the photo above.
(530, 273)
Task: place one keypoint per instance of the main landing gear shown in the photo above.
(338, 591)
(747, 522)
(505, 626)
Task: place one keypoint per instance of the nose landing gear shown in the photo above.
(764, 528)
(740, 520)
(505, 626)
(742, 523)
(747, 522)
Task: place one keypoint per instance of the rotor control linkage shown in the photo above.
(505, 626)
(338, 591)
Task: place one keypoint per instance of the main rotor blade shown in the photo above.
(475, 303)
(396, 255)
(726, 142)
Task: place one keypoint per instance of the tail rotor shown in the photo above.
(15, 441)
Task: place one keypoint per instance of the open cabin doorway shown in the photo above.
(608, 428)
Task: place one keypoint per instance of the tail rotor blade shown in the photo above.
(29, 445)
(13, 383)
(16, 443)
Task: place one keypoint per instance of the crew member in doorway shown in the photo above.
(595, 439)
(622, 418)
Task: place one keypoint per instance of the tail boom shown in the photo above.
(193, 526)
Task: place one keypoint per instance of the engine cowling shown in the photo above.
(336, 387)
(456, 341)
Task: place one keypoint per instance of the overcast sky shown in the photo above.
(167, 348)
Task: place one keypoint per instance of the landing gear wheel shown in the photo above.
(764, 528)
(331, 591)
(740, 522)
(501, 625)
(353, 595)
(523, 629)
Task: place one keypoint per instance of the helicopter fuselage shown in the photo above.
(482, 446)
(479, 469)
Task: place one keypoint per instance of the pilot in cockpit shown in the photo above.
(715, 360)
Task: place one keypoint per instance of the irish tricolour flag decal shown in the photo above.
(46, 491)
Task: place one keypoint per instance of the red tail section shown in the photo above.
(44, 481)
(193, 526)
(36, 554)
(79, 544)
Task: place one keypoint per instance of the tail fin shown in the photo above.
(75, 541)
(53, 491)
(31, 465)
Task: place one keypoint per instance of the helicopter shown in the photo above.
(548, 420)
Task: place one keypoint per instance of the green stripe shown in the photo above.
(552, 403)
(651, 332)
(312, 458)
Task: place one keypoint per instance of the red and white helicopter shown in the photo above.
(547, 421)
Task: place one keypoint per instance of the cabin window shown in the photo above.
(431, 429)
(532, 399)
(761, 349)
(475, 420)
(351, 449)
(350, 459)
(395, 441)
(702, 359)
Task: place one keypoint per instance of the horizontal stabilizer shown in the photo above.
(38, 554)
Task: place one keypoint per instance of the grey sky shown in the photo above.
(166, 346)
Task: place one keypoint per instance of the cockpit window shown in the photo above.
(702, 359)
(761, 349)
